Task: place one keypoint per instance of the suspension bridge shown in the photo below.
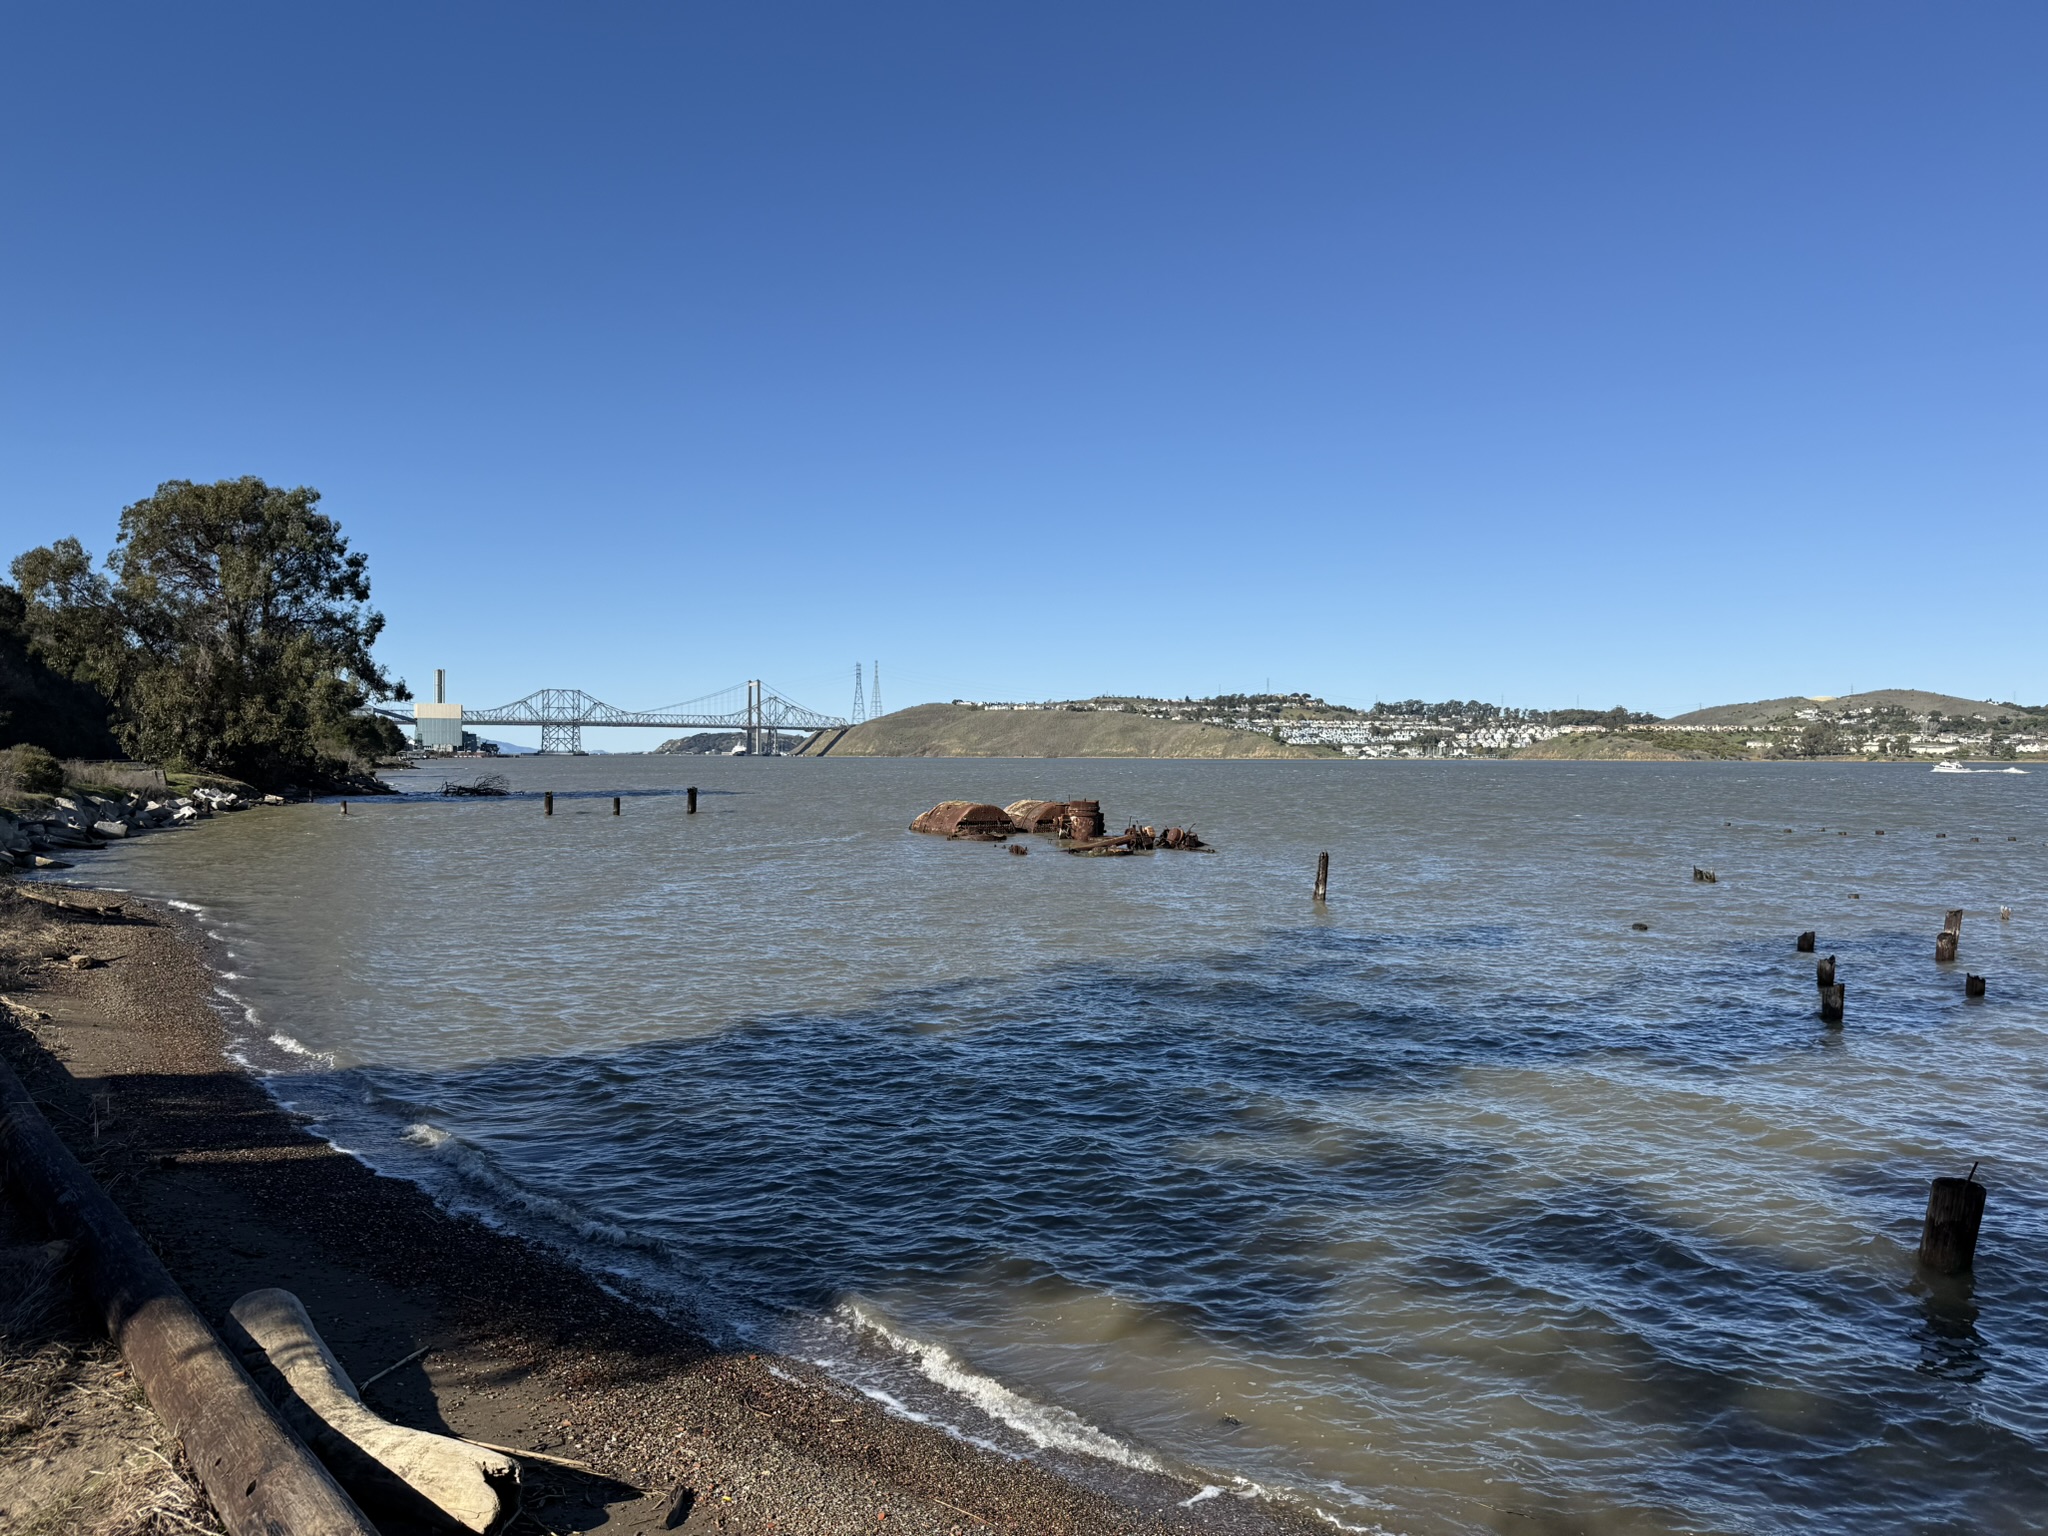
(757, 712)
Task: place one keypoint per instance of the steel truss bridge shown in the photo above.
(753, 709)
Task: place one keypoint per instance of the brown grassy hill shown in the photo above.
(956, 730)
(1603, 749)
(1645, 744)
(1914, 701)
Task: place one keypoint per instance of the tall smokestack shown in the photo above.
(440, 685)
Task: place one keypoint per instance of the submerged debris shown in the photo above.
(966, 819)
(482, 784)
(1077, 824)
(1035, 815)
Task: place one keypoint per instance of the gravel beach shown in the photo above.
(491, 1336)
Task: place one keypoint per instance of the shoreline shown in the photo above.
(523, 1347)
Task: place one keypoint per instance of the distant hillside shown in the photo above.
(1913, 701)
(1629, 749)
(704, 741)
(958, 730)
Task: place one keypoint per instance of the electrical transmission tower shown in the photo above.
(875, 694)
(860, 709)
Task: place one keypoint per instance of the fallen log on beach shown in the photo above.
(409, 1473)
(261, 1479)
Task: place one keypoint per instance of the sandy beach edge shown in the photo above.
(522, 1348)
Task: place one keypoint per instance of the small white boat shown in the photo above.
(1952, 768)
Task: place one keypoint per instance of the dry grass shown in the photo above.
(28, 938)
(80, 1452)
(81, 774)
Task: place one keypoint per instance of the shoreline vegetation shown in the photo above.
(229, 632)
(522, 1348)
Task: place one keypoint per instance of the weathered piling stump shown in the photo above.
(1019, 849)
(1955, 1211)
(1322, 877)
(1824, 972)
(1944, 948)
(2005, 914)
(1806, 942)
(344, 807)
(692, 793)
(1954, 922)
(1973, 986)
(615, 805)
(547, 803)
(1831, 997)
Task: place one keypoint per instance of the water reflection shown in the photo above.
(1950, 1345)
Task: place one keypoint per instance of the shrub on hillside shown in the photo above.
(27, 770)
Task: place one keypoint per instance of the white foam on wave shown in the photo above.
(291, 1047)
(1047, 1427)
(454, 1156)
(185, 906)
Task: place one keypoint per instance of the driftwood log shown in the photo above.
(434, 1479)
(261, 1479)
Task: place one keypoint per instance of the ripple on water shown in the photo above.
(1457, 1205)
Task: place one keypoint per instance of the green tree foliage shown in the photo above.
(1821, 739)
(41, 706)
(231, 629)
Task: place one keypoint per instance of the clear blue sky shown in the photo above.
(1642, 353)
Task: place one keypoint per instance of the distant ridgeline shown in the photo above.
(724, 743)
(1891, 723)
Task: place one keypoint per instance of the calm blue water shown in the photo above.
(1459, 1206)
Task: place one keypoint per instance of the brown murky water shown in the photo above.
(1459, 1206)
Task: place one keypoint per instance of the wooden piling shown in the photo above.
(1948, 1238)
(344, 807)
(692, 792)
(547, 803)
(615, 805)
(1973, 986)
(1944, 947)
(1824, 972)
(1322, 877)
(1806, 941)
(2005, 914)
(1954, 923)
(1831, 998)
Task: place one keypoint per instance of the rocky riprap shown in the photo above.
(75, 821)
